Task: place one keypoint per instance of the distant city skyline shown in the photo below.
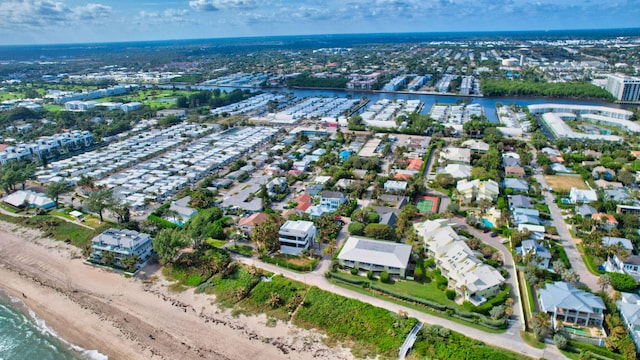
(72, 21)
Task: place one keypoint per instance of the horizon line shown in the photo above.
(325, 35)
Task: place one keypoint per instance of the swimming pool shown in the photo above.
(577, 331)
(487, 223)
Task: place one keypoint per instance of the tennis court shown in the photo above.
(427, 204)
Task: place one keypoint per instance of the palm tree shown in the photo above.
(604, 281)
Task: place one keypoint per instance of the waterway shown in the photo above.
(489, 103)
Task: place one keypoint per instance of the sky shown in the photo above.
(72, 21)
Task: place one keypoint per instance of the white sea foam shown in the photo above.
(42, 325)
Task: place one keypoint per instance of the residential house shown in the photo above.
(601, 171)
(517, 185)
(389, 218)
(121, 244)
(593, 154)
(539, 255)
(27, 198)
(453, 155)
(375, 255)
(550, 151)
(182, 209)
(585, 210)
(556, 159)
(519, 201)
(277, 185)
(247, 224)
(560, 168)
(457, 171)
(629, 265)
(415, 165)
(468, 275)
(396, 201)
(296, 236)
(526, 216)
(617, 241)
(510, 159)
(332, 199)
(619, 195)
(566, 304)
(578, 196)
(606, 221)
(395, 186)
(476, 146)
(514, 172)
(477, 190)
(536, 231)
(629, 307)
(604, 184)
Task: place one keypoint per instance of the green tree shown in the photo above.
(99, 200)
(167, 244)
(266, 235)
(379, 231)
(202, 198)
(356, 228)
(55, 189)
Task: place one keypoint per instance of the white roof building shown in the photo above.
(468, 275)
(578, 196)
(455, 155)
(457, 171)
(375, 255)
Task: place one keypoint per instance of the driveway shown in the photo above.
(567, 241)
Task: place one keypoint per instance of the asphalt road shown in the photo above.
(586, 277)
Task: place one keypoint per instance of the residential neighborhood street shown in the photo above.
(568, 242)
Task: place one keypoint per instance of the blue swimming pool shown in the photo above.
(486, 223)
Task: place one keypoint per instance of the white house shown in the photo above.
(570, 305)
(457, 171)
(577, 196)
(295, 236)
(453, 155)
(472, 279)
(375, 255)
(122, 244)
(332, 199)
(629, 307)
(629, 265)
(28, 198)
(394, 185)
(477, 190)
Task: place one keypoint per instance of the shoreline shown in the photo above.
(137, 317)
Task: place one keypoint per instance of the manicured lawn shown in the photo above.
(217, 243)
(427, 290)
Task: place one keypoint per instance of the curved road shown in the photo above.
(509, 340)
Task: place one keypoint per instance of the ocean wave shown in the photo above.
(85, 354)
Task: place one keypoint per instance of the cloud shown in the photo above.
(45, 13)
(165, 16)
(215, 5)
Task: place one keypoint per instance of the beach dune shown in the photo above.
(137, 318)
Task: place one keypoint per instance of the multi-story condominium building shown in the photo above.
(375, 255)
(122, 244)
(624, 88)
(295, 236)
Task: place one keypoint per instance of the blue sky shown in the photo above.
(72, 21)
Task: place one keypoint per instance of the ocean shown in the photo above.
(23, 336)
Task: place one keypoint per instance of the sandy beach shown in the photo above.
(138, 318)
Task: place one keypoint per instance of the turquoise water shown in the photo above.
(565, 201)
(487, 223)
(23, 336)
(576, 330)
